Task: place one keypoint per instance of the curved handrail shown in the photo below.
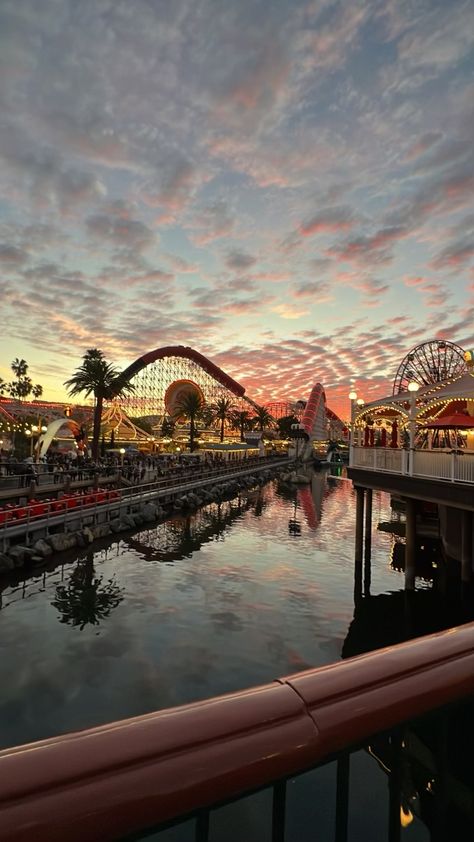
(121, 778)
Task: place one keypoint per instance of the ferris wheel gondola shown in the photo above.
(431, 362)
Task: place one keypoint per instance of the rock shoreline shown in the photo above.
(147, 514)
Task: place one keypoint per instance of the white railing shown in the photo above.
(379, 459)
(455, 466)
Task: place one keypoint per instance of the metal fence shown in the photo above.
(90, 506)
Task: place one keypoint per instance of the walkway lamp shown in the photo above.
(352, 398)
(360, 403)
(33, 433)
(413, 389)
(122, 454)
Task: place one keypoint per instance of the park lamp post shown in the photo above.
(360, 403)
(352, 398)
(413, 389)
(122, 454)
(33, 433)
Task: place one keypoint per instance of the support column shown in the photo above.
(466, 546)
(368, 541)
(359, 543)
(410, 544)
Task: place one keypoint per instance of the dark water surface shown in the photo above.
(235, 595)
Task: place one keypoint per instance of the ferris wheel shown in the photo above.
(430, 362)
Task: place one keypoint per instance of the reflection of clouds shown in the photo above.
(236, 612)
(227, 621)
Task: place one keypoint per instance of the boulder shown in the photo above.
(17, 554)
(81, 540)
(6, 563)
(116, 525)
(62, 541)
(128, 521)
(88, 534)
(42, 548)
(148, 513)
(101, 530)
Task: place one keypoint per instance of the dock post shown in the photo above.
(359, 542)
(410, 545)
(368, 541)
(466, 546)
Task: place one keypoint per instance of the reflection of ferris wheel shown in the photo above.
(431, 362)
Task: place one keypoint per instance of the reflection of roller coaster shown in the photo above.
(177, 538)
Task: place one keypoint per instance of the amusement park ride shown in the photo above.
(160, 378)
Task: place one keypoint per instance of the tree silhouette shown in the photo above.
(85, 600)
(262, 417)
(190, 405)
(95, 376)
(241, 420)
(222, 411)
(22, 386)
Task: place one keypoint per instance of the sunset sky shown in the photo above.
(286, 186)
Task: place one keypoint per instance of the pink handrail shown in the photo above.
(120, 778)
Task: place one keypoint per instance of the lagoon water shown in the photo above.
(234, 595)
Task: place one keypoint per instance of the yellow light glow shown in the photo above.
(406, 817)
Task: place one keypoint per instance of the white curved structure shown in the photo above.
(54, 427)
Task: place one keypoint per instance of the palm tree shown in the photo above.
(190, 405)
(23, 385)
(241, 420)
(19, 367)
(262, 417)
(95, 376)
(222, 411)
(285, 424)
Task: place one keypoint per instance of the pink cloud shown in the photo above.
(414, 282)
(332, 219)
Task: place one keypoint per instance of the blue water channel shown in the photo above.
(234, 595)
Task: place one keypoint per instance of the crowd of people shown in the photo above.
(136, 468)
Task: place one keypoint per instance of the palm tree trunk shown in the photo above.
(192, 433)
(222, 429)
(97, 421)
(242, 437)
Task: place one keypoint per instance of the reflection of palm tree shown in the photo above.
(85, 600)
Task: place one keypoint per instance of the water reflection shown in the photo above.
(179, 537)
(86, 599)
(196, 606)
(433, 766)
